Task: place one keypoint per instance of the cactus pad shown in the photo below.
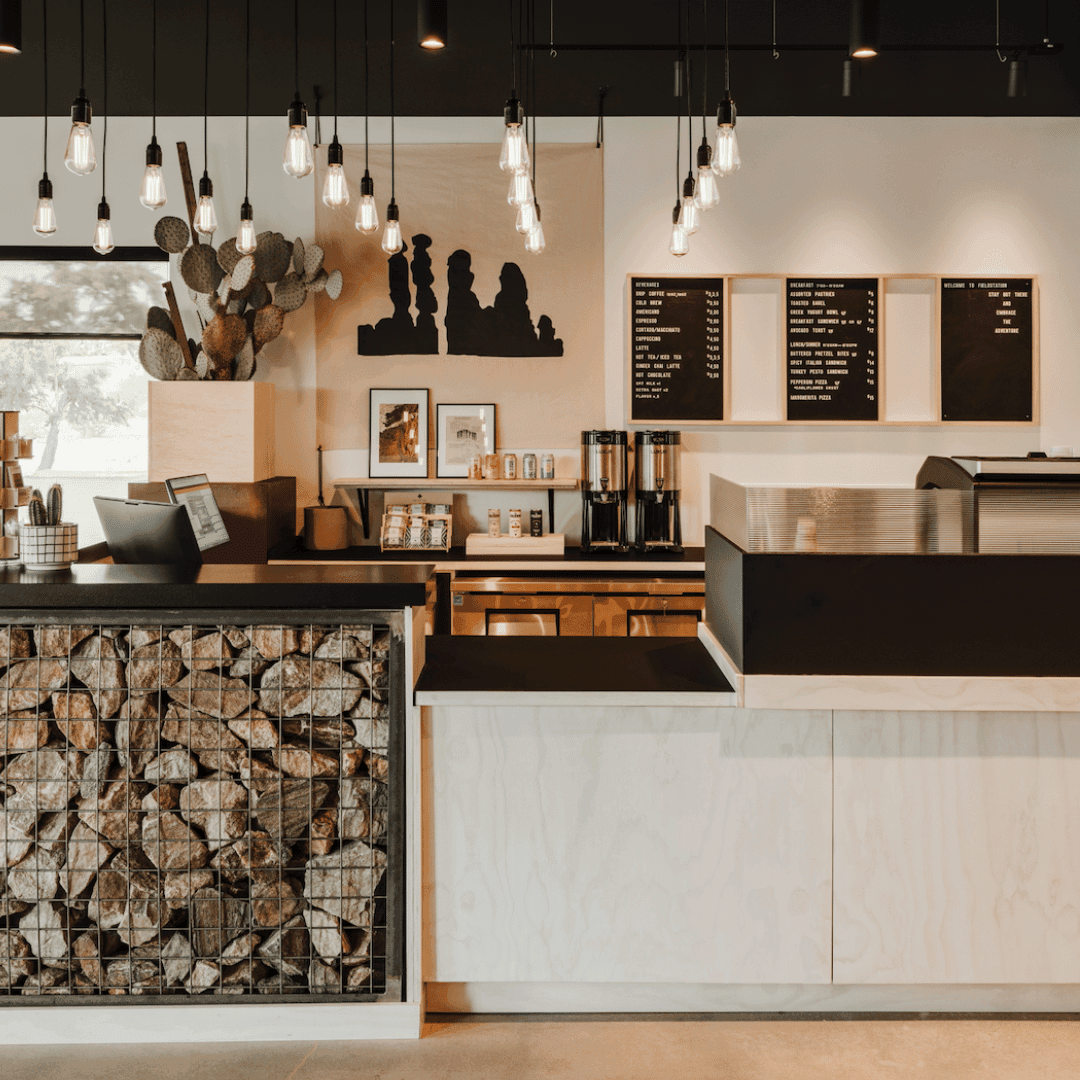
(200, 269)
(273, 257)
(268, 323)
(334, 282)
(245, 362)
(54, 504)
(157, 318)
(290, 293)
(160, 355)
(223, 338)
(313, 260)
(242, 273)
(228, 256)
(172, 234)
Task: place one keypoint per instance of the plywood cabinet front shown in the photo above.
(628, 845)
(957, 848)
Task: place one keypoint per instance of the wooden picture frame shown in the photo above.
(451, 448)
(398, 432)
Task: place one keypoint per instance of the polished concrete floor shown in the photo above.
(596, 1049)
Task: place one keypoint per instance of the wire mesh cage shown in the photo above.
(197, 812)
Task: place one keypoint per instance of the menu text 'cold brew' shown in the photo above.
(832, 349)
(987, 331)
(676, 349)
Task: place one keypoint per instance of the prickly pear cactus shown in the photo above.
(38, 514)
(55, 504)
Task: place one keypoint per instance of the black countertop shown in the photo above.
(671, 665)
(129, 587)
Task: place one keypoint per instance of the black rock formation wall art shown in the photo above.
(504, 329)
(399, 334)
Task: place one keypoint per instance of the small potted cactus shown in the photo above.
(47, 543)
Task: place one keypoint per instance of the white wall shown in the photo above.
(830, 195)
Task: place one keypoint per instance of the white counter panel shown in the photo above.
(627, 845)
(957, 840)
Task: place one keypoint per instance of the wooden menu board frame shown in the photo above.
(933, 359)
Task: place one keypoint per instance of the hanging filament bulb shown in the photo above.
(680, 242)
(246, 240)
(367, 213)
(534, 242)
(103, 239)
(79, 154)
(44, 214)
(515, 149)
(152, 194)
(205, 216)
(689, 219)
(335, 192)
(298, 160)
(526, 218)
(391, 239)
(521, 189)
(706, 195)
(725, 159)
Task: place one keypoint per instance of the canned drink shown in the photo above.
(536, 522)
(515, 523)
(547, 467)
(528, 467)
(491, 467)
(494, 522)
(476, 467)
(509, 466)
(418, 508)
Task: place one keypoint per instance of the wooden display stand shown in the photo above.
(12, 450)
(222, 429)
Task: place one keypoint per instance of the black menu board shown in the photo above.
(986, 349)
(676, 349)
(832, 349)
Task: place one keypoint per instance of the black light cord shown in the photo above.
(206, 90)
(153, 76)
(704, 61)
(247, 95)
(727, 50)
(104, 92)
(392, 163)
(335, 72)
(367, 68)
(82, 45)
(45, 95)
(680, 59)
(296, 43)
(689, 114)
(532, 89)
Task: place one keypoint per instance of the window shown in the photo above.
(70, 324)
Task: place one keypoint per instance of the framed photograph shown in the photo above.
(460, 432)
(399, 433)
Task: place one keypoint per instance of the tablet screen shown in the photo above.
(195, 493)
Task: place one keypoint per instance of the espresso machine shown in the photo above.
(604, 491)
(656, 524)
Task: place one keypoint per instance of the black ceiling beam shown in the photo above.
(1045, 48)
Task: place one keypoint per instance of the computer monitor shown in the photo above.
(196, 494)
(138, 531)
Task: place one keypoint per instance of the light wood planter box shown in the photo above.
(223, 429)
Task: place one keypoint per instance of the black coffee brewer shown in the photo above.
(603, 491)
(656, 459)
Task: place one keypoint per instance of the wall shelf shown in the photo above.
(363, 484)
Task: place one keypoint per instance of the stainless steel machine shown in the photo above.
(1027, 505)
(604, 488)
(656, 522)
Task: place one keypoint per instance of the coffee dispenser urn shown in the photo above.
(603, 491)
(656, 492)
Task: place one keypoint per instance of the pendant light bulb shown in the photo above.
(79, 155)
(706, 195)
(152, 194)
(521, 191)
(335, 188)
(246, 240)
(103, 239)
(725, 158)
(689, 219)
(534, 242)
(205, 216)
(526, 218)
(45, 215)
(298, 160)
(367, 213)
(515, 149)
(391, 239)
(680, 242)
